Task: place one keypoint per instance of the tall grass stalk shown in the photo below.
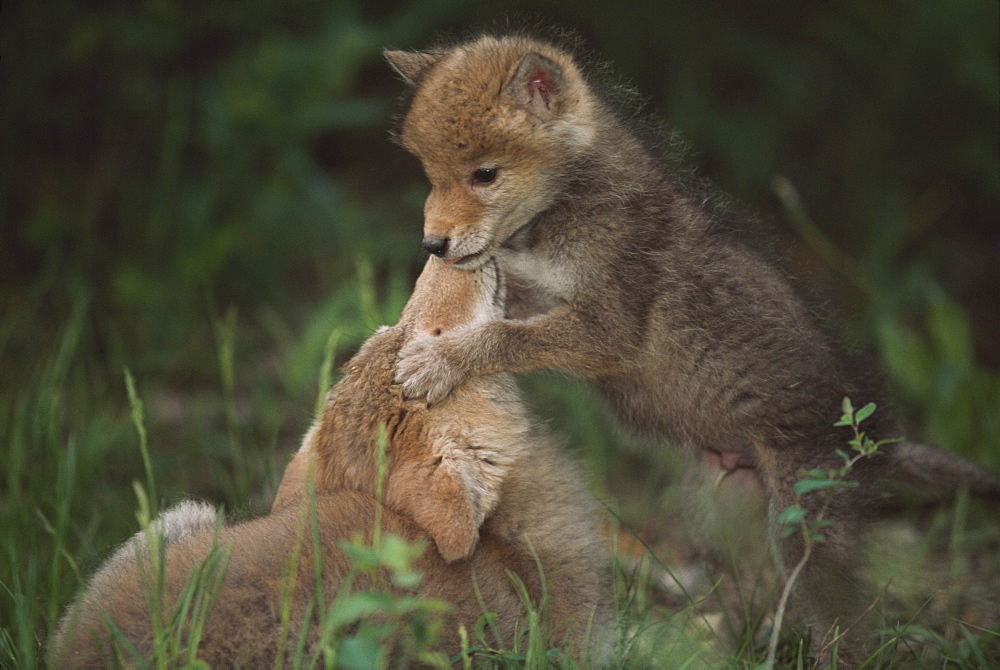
(138, 420)
(225, 340)
(326, 370)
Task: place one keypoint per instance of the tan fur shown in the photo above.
(626, 274)
(473, 473)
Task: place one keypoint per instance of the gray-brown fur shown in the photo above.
(474, 475)
(624, 274)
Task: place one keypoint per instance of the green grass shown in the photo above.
(78, 444)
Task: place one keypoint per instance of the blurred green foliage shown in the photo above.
(156, 153)
(204, 192)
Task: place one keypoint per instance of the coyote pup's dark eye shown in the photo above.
(484, 176)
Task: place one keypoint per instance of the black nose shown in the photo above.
(435, 245)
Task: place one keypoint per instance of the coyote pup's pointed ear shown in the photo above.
(538, 85)
(411, 65)
(448, 500)
(449, 515)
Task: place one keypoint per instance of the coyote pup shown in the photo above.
(625, 274)
(493, 493)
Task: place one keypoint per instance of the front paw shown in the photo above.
(427, 367)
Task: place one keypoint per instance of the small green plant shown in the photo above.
(825, 482)
(363, 628)
(530, 646)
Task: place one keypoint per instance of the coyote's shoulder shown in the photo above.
(474, 474)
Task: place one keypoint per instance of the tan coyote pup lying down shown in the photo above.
(473, 473)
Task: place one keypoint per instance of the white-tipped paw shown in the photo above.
(427, 367)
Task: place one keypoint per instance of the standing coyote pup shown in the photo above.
(493, 493)
(625, 274)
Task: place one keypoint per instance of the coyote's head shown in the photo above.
(498, 124)
(443, 465)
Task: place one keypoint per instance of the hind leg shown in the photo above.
(830, 593)
(725, 505)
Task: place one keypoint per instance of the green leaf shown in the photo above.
(487, 619)
(847, 419)
(357, 606)
(847, 407)
(362, 557)
(396, 553)
(807, 485)
(793, 514)
(407, 579)
(865, 412)
(360, 652)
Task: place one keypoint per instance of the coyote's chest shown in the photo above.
(536, 282)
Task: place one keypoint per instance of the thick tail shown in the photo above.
(180, 521)
(930, 467)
